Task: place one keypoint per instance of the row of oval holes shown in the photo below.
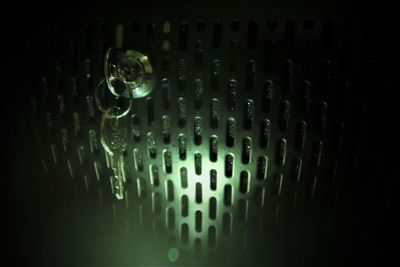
(262, 166)
(243, 188)
(217, 28)
(303, 104)
(227, 199)
(213, 148)
(262, 161)
(226, 227)
(270, 25)
(213, 155)
(198, 219)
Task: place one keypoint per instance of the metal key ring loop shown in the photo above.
(104, 109)
(132, 70)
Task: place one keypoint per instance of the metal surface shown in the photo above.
(243, 154)
(128, 73)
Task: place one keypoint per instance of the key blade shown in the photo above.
(113, 131)
(118, 177)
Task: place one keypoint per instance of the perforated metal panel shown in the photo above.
(242, 152)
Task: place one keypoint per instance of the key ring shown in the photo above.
(101, 86)
(128, 73)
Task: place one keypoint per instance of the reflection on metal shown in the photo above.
(128, 73)
(227, 149)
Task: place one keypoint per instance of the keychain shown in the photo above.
(128, 75)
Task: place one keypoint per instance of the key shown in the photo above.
(113, 131)
(128, 75)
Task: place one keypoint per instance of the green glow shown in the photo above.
(173, 254)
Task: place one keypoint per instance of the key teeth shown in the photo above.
(118, 187)
(119, 196)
